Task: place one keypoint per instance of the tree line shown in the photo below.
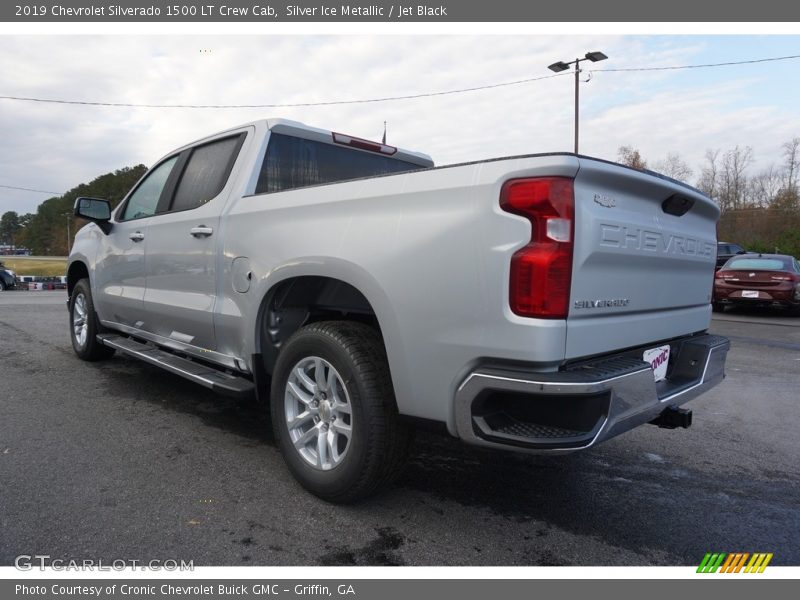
(726, 176)
(760, 209)
(45, 231)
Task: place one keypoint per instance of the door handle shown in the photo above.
(201, 231)
(137, 236)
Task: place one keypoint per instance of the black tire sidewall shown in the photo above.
(92, 350)
(339, 479)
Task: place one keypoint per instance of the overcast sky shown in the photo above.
(55, 147)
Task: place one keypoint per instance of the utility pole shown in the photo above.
(577, 101)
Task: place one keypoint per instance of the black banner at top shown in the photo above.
(444, 11)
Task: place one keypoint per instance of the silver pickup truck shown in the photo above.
(539, 303)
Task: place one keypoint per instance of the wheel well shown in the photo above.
(77, 271)
(296, 302)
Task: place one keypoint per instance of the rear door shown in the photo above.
(183, 238)
(644, 257)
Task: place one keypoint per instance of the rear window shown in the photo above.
(206, 173)
(759, 264)
(293, 162)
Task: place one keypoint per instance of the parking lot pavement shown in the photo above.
(119, 460)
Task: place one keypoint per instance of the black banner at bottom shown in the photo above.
(383, 589)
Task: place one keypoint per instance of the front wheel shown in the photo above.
(334, 413)
(84, 325)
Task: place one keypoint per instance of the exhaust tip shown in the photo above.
(672, 418)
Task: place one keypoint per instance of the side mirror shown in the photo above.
(742, 252)
(95, 210)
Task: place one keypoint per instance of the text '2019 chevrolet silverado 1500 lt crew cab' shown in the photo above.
(539, 303)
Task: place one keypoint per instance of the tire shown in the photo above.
(2, 286)
(355, 392)
(717, 307)
(84, 325)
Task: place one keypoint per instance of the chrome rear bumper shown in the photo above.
(582, 405)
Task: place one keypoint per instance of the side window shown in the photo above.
(206, 172)
(144, 200)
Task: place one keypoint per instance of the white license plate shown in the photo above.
(658, 359)
(749, 294)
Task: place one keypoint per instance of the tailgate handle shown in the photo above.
(677, 205)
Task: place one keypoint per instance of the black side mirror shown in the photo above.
(95, 210)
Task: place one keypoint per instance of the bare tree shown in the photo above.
(709, 175)
(674, 166)
(630, 157)
(788, 197)
(733, 177)
(765, 187)
(791, 152)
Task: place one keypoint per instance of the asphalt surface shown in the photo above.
(119, 460)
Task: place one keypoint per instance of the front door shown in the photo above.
(120, 263)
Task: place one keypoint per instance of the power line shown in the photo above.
(24, 189)
(298, 104)
(703, 66)
(390, 98)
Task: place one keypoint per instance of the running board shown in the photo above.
(219, 381)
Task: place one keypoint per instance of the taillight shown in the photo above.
(541, 272)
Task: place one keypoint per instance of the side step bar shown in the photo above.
(219, 381)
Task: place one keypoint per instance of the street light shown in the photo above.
(560, 66)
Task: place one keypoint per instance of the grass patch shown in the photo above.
(46, 267)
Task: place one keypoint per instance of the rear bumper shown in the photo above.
(775, 300)
(784, 295)
(573, 409)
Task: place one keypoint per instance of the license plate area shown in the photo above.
(658, 359)
(749, 294)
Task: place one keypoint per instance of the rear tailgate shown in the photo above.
(642, 268)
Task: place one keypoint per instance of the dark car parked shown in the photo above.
(771, 280)
(726, 251)
(7, 279)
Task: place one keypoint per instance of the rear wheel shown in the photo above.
(334, 413)
(2, 286)
(84, 325)
(718, 307)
